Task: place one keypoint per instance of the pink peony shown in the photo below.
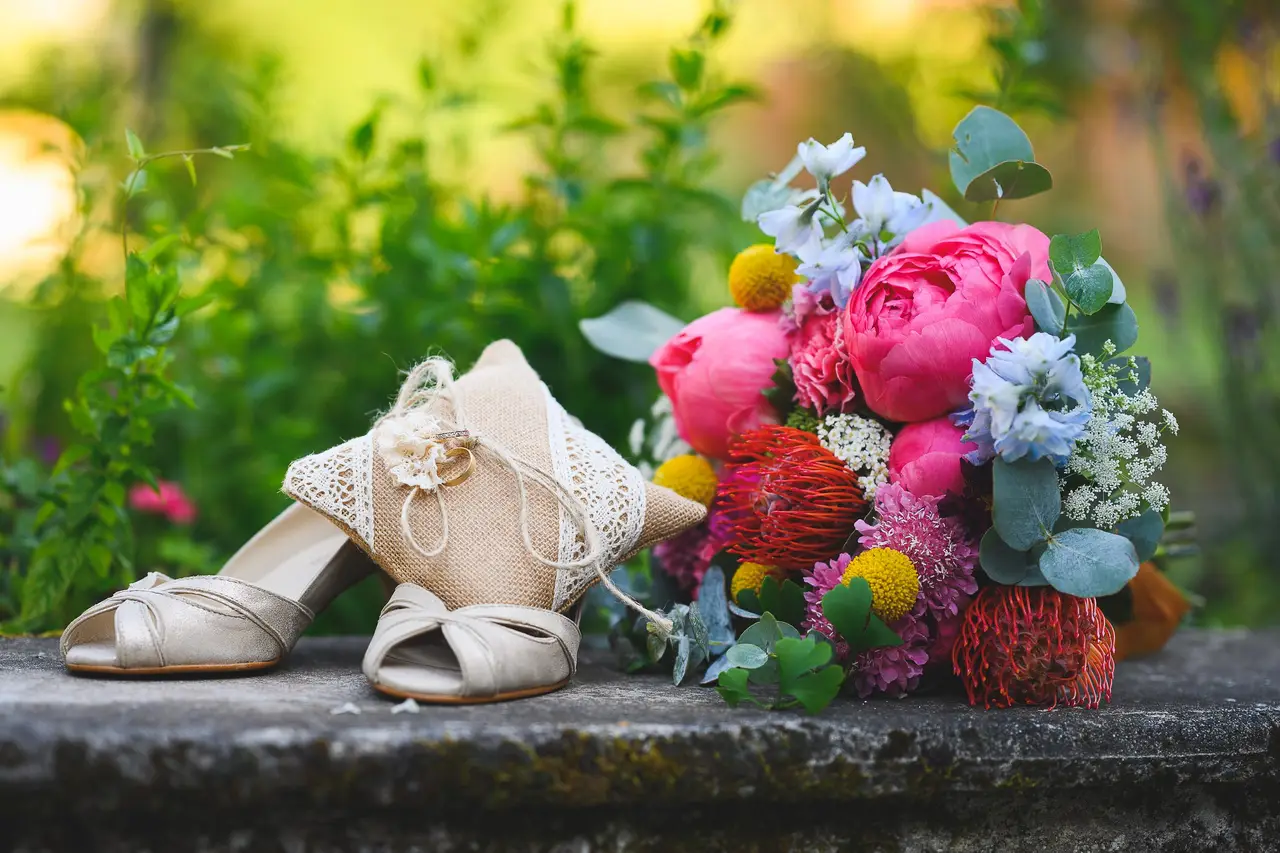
(820, 363)
(170, 501)
(715, 372)
(925, 311)
(925, 457)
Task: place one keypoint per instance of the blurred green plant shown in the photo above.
(69, 538)
(324, 274)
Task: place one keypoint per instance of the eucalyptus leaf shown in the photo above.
(1090, 288)
(1088, 563)
(984, 139)
(1046, 306)
(713, 608)
(718, 666)
(1115, 323)
(764, 633)
(1069, 253)
(747, 656)
(1144, 531)
(1009, 180)
(764, 196)
(1026, 501)
(1118, 294)
(1000, 562)
(632, 331)
(683, 651)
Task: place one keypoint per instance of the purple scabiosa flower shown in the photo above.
(823, 578)
(895, 670)
(940, 547)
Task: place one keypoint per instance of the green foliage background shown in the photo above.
(327, 268)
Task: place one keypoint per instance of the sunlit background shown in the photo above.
(1157, 117)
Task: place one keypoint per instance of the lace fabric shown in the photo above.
(339, 484)
(611, 490)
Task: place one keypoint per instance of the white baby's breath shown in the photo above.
(862, 444)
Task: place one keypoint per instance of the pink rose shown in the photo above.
(820, 363)
(925, 311)
(925, 457)
(170, 501)
(715, 371)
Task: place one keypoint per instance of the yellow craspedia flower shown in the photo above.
(689, 477)
(760, 279)
(892, 578)
(751, 576)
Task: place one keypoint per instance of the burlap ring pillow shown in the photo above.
(485, 559)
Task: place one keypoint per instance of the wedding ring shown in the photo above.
(458, 453)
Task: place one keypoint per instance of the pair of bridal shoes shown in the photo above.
(492, 508)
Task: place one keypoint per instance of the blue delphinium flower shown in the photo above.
(1029, 401)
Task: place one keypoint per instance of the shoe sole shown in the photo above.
(189, 669)
(470, 700)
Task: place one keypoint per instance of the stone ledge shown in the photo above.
(1195, 730)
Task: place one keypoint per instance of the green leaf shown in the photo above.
(748, 600)
(1088, 563)
(632, 331)
(686, 68)
(1005, 565)
(732, 686)
(134, 144)
(984, 139)
(798, 656)
(1026, 501)
(1115, 323)
(362, 137)
(134, 183)
(764, 633)
(785, 601)
(148, 255)
(745, 656)
(1068, 253)
(1144, 531)
(878, 635)
(681, 662)
(848, 609)
(190, 163)
(1046, 306)
(1009, 180)
(1075, 258)
(656, 646)
(816, 690)
(137, 289)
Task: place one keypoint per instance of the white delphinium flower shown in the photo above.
(883, 210)
(825, 162)
(1120, 450)
(836, 269)
(797, 228)
(862, 444)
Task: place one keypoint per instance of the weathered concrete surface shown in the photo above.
(1187, 757)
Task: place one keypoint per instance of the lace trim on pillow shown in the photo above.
(339, 484)
(610, 488)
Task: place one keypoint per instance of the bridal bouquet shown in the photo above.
(925, 445)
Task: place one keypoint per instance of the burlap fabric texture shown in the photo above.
(485, 560)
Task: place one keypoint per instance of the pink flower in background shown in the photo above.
(820, 363)
(686, 557)
(715, 372)
(925, 457)
(823, 578)
(926, 310)
(939, 546)
(170, 501)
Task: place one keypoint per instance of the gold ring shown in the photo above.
(456, 453)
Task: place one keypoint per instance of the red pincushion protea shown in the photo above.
(1035, 646)
(788, 500)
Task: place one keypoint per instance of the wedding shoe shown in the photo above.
(496, 511)
(246, 617)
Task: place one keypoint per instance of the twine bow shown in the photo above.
(416, 443)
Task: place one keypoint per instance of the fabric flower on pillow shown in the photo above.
(411, 449)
